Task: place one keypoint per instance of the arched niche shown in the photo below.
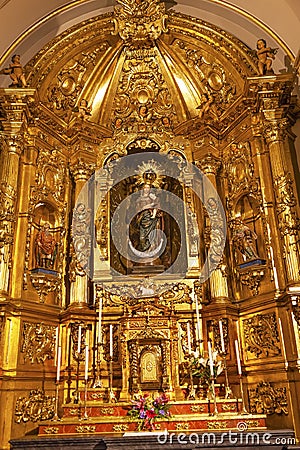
(44, 237)
(247, 231)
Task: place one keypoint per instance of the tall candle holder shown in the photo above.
(228, 391)
(85, 414)
(112, 397)
(214, 397)
(98, 382)
(244, 409)
(192, 391)
(56, 418)
(76, 396)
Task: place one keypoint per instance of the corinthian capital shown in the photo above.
(209, 164)
(275, 130)
(82, 170)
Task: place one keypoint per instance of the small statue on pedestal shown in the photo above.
(16, 72)
(244, 239)
(45, 248)
(265, 56)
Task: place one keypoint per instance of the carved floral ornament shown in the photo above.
(36, 407)
(261, 335)
(266, 399)
(145, 292)
(38, 342)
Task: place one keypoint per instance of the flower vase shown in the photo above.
(149, 425)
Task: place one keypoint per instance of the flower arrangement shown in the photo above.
(200, 367)
(146, 409)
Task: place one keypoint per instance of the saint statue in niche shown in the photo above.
(244, 240)
(45, 248)
(148, 218)
(146, 240)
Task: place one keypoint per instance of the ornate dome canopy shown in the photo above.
(144, 65)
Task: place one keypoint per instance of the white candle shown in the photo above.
(222, 336)
(79, 339)
(200, 337)
(111, 341)
(100, 322)
(58, 358)
(188, 331)
(56, 345)
(86, 367)
(211, 362)
(238, 359)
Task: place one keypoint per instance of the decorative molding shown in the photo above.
(81, 429)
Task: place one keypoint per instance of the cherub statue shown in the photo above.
(16, 72)
(265, 56)
(83, 110)
(206, 102)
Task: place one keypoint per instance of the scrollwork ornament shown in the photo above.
(37, 407)
(138, 22)
(81, 234)
(38, 342)
(266, 399)
(261, 335)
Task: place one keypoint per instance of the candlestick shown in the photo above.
(222, 336)
(56, 417)
(86, 367)
(188, 331)
(58, 359)
(211, 362)
(111, 340)
(238, 359)
(56, 346)
(79, 339)
(100, 321)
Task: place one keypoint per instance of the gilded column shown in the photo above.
(210, 165)
(14, 104)
(26, 180)
(262, 156)
(275, 133)
(81, 235)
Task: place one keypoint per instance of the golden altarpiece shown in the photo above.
(147, 105)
